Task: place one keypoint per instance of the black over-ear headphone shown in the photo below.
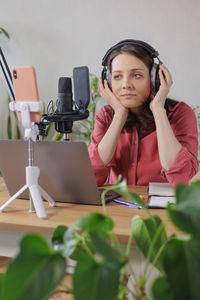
(151, 51)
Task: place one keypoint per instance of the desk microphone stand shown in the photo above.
(32, 172)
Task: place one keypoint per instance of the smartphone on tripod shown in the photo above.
(25, 87)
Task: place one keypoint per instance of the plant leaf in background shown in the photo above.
(35, 272)
(91, 107)
(58, 235)
(57, 239)
(95, 221)
(68, 241)
(97, 277)
(18, 134)
(186, 213)
(2, 276)
(93, 280)
(4, 32)
(161, 290)
(105, 250)
(9, 127)
(182, 264)
(94, 87)
(58, 136)
(144, 231)
(12, 116)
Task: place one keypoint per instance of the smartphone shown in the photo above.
(25, 88)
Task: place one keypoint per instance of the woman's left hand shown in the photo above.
(158, 101)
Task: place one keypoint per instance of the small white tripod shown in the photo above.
(32, 172)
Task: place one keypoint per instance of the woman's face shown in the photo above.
(130, 81)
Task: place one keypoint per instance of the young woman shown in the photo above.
(141, 134)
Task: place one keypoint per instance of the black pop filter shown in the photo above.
(81, 87)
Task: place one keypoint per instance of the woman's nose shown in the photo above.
(126, 83)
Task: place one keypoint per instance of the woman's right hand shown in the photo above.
(107, 146)
(110, 98)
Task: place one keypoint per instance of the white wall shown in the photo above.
(57, 35)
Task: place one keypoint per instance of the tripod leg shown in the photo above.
(13, 197)
(37, 201)
(47, 197)
(32, 174)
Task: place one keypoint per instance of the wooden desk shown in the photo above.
(17, 217)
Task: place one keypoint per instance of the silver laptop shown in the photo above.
(65, 169)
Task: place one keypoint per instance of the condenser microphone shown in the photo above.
(68, 110)
(64, 104)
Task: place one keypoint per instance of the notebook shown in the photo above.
(65, 170)
(160, 195)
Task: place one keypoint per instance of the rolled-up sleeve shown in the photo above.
(185, 165)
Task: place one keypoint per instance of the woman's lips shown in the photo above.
(127, 96)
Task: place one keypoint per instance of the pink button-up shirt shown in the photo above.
(137, 159)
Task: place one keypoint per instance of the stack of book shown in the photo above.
(160, 194)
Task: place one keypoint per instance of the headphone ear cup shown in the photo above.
(155, 80)
(106, 75)
(103, 74)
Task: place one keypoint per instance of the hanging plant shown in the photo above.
(4, 32)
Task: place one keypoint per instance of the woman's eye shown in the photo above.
(117, 77)
(137, 76)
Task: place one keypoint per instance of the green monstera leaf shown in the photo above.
(34, 273)
(186, 213)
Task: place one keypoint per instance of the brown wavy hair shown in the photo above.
(145, 119)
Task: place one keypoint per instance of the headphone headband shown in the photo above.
(142, 44)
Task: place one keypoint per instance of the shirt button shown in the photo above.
(132, 164)
(135, 142)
